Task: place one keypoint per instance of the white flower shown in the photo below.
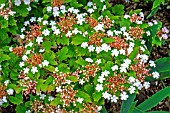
(81, 81)
(75, 31)
(114, 98)
(45, 63)
(11, 13)
(45, 22)
(126, 16)
(146, 85)
(58, 89)
(89, 4)
(98, 61)
(110, 33)
(17, 2)
(56, 69)
(33, 19)
(56, 13)
(71, 9)
(49, 8)
(41, 50)
(152, 63)
(84, 45)
(98, 49)
(23, 29)
(50, 98)
(46, 32)
(90, 10)
(99, 87)
(91, 48)
(10, 91)
(129, 50)
(26, 23)
(123, 29)
(80, 100)
(24, 58)
(104, 8)
(10, 48)
(89, 60)
(102, 0)
(28, 52)
(2, 6)
(57, 32)
(106, 95)
(68, 34)
(115, 52)
(124, 96)
(27, 2)
(101, 79)
(76, 11)
(122, 51)
(29, 8)
(99, 108)
(105, 73)
(21, 64)
(148, 33)
(39, 40)
(114, 68)
(6, 82)
(28, 111)
(106, 47)
(131, 79)
(138, 84)
(42, 96)
(123, 69)
(155, 75)
(22, 36)
(99, 27)
(39, 19)
(26, 70)
(30, 44)
(34, 70)
(132, 89)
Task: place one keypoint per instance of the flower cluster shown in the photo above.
(71, 60)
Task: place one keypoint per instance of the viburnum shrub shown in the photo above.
(73, 55)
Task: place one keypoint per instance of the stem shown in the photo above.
(10, 4)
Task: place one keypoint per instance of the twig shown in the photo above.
(10, 4)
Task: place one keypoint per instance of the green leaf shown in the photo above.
(4, 57)
(72, 78)
(89, 89)
(126, 105)
(137, 11)
(63, 54)
(118, 9)
(50, 68)
(56, 101)
(153, 12)
(46, 45)
(134, 53)
(83, 95)
(103, 110)
(157, 3)
(108, 40)
(20, 109)
(154, 100)
(78, 39)
(15, 100)
(163, 64)
(4, 23)
(81, 61)
(97, 96)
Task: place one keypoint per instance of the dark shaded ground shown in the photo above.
(162, 15)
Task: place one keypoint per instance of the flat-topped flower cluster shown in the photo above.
(74, 57)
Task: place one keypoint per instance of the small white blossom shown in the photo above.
(58, 89)
(39, 40)
(22, 36)
(124, 96)
(21, 64)
(84, 45)
(17, 2)
(45, 63)
(131, 79)
(33, 19)
(152, 63)
(106, 95)
(80, 100)
(110, 33)
(114, 68)
(114, 98)
(34, 70)
(6, 82)
(155, 75)
(148, 33)
(101, 79)
(10, 91)
(90, 10)
(26, 70)
(146, 85)
(50, 98)
(68, 34)
(28, 111)
(91, 48)
(132, 89)
(98, 61)
(57, 32)
(90, 4)
(46, 32)
(49, 9)
(29, 8)
(98, 49)
(26, 23)
(99, 27)
(56, 69)
(89, 60)
(105, 73)
(99, 87)
(81, 81)
(27, 2)
(105, 47)
(115, 52)
(42, 96)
